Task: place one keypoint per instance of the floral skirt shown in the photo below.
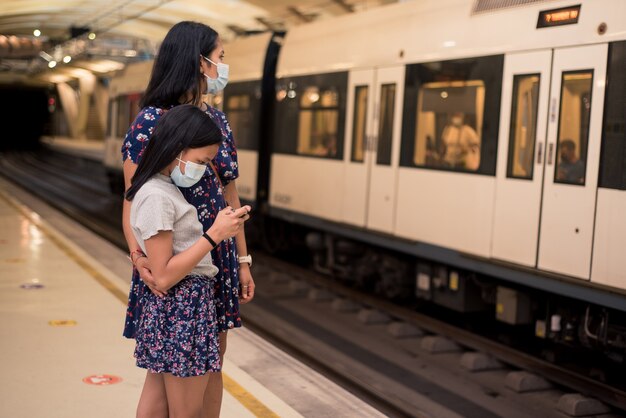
(225, 285)
(178, 333)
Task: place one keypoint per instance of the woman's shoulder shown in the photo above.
(213, 111)
(219, 117)
(150, 113)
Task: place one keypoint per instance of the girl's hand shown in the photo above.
(228, 222)
(143, 268)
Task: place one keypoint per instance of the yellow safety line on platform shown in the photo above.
(246, 398)
(243, 396)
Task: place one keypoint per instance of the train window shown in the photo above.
(123, 121)
(451, 115)
(317, 122)
(241, 121)
(574, 115)
(449, 125)
(310, 115)
(238, 102)
(523, 127)
(359, 123)
(241, 103)
(385, 123)
(613, 156)
(127, 110)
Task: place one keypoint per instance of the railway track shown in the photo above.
(418, 342)
(406, 363)
(74, 186)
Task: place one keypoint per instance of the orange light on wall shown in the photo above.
(558, 17)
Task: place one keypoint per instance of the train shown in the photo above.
(467, 154)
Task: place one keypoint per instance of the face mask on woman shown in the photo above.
(193, 173)
(215, 85)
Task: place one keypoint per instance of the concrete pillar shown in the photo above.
(86, 86)
(69, 101)
(101, 100)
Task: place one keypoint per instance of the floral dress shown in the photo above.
(208, 197)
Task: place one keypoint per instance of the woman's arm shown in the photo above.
(129, 171)
(168, 270)
(245, 275)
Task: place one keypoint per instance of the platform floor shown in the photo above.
(62, 298)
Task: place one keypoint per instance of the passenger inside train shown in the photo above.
(571, 169)
(449, 124)
(461, 143)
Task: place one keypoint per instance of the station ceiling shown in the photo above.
(131, 29)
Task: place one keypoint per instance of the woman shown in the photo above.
(189, 63)
(177, 334)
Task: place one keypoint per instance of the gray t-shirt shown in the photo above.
(160, 206)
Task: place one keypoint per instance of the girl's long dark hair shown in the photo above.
(176, 69)
(184, 126)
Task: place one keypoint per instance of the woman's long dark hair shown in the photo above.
(176, 71)
(184, 126)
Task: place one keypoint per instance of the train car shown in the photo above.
(249, 58)
(473, 146)
(125, 91)
(248, 104)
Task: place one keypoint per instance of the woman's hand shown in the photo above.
(228, 223)
(247, 284)
(143, 267)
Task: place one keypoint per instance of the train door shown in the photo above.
(572, 160)
(521, 150)
(385, 148)
(360, 109)
(373, 144)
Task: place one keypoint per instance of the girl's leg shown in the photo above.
(153, 400)
(213, 394)
(184, 395)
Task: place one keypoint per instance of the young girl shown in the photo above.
(177, 335)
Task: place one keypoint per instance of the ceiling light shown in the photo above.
(37, 32)
(92, 36)
(52, 64)
(67, 59)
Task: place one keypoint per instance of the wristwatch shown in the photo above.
(245, 259)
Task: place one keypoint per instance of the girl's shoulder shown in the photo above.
(157, 191)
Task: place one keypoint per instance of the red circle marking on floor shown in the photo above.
(102, 379)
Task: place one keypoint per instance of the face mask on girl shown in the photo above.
(215, 85)
(193, 173)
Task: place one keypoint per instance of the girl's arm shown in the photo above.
(141, 263)
(167, 270)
